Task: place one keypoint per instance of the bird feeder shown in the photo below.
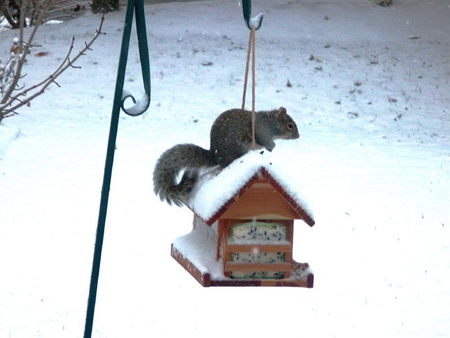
(243, 229)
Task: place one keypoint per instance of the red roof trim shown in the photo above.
(294, 204)
(265, 173)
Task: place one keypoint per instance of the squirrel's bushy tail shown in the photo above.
(177, 170)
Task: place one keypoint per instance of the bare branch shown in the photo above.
(24, 51)
(10, 103)
(73, 66)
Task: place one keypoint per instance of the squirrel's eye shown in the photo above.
(290, 126)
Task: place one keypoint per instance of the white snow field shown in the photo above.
(369, 89)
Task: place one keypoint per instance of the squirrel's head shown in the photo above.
(289, 129)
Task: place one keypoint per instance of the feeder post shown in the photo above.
(136, 6)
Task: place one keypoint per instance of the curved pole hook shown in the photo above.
(139, 105)
(252, 23)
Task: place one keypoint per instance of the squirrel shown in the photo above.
(179, 168)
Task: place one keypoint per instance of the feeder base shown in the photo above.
(301, 274)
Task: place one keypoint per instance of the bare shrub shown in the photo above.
(12, 95)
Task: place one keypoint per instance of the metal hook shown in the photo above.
(141, 105)
(252, 23)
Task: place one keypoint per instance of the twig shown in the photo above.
(24, 51)
(11, 103)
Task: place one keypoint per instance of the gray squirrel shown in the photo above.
(178, 168)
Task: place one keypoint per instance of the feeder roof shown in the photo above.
(213, 194)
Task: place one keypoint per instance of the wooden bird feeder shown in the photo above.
(243, 228)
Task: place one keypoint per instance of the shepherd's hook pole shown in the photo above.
(137, 7)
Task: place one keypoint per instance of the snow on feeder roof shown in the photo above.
(213, 196)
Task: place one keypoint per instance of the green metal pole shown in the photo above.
(117, 104)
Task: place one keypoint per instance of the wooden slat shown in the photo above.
(230, 266)
(251, 248)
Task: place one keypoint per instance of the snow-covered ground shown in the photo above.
(369, 87)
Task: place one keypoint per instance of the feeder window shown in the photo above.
(258, 250)
(258, 233)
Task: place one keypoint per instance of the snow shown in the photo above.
(200, 248)
(369, 90)
(214, 190)
(256, 21)
(138, 107)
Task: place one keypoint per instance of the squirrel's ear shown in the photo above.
(282, 111)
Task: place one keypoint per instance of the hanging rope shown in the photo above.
(251, 57)
(253, 24)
